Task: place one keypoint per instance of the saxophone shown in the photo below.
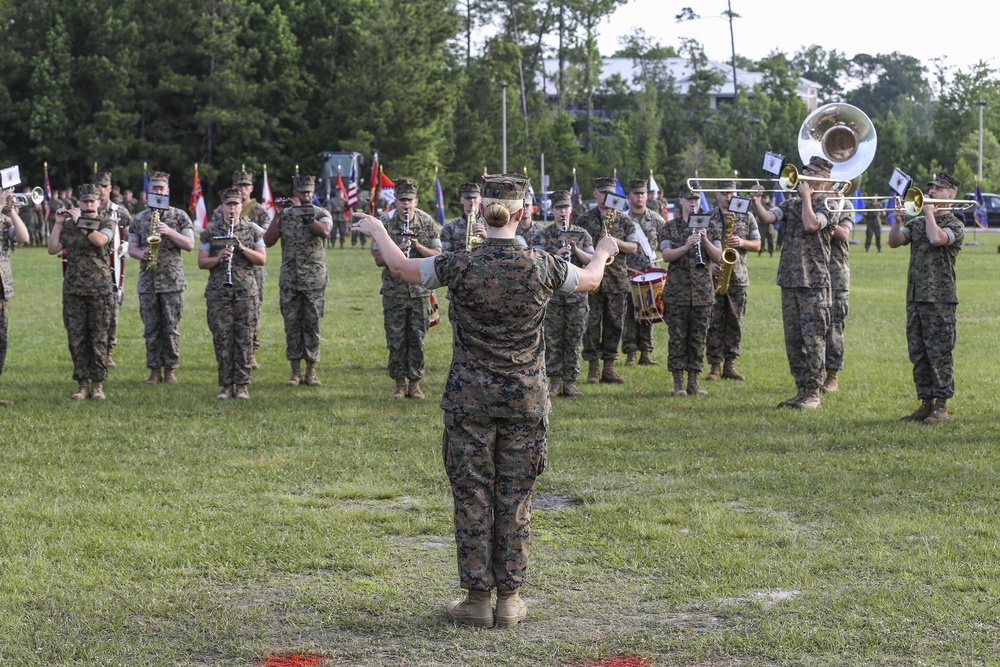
(729, 257)
(605, 231)
(472, 241)
(153, 240)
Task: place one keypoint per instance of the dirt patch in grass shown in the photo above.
(548, 502)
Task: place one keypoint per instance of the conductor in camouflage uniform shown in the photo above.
(303, 229)
(840, 296)
(725, 333)
(12, 230)
(606, 320)
(566, 316)
(231, 291)
(88, 290)
(935, 239)
(689, 293)
(495, 401)
(406, 308)
(637, 337)
(161, 287)
(117, 249)
(804, 278)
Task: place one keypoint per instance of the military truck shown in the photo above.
(345, 160)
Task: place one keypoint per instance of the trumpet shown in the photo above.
(153, 240)
(35, 197)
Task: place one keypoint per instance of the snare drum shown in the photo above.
(647, 295)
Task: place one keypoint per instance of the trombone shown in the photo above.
(912, 203)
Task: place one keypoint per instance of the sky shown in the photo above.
(855, 26)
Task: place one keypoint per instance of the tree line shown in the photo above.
(227, 83)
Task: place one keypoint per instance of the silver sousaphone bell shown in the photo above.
(841, 133)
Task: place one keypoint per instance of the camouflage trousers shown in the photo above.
(4, 322)
(260, 275)
(357, 236)
(565, 325)
(116, 305)
(835, 334)
(161, 319)
(636, 336)
(406, 324)
(604, 325)
(492, 465)
(930, 340)
(805, 314)
(232, 323)
(725, 333)
(688, 328)
(339, 232)
(88, 320)
(876, 231)
(302, 311)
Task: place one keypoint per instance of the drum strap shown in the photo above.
(640, 236)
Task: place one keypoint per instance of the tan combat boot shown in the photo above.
(5, 403)
(555, 386)
(82, 391)
(921, 413)
(311, 379)
(154, 376)
(631, 360)
(570, 391)
(295, 379)
(510, 608)
(242, 392)
(646, 358)
(254, 364)
(693, 388)
(97, 392)
(810, 400)
(414, 391)
(594, 374)
(169, 376)
(110, 363)
(609, 375)
(939, 413)
(830, 384)
(715, 372)
(475, 609)
(679, 384)
(729, 370)
(793, 401)
(400, 391)
(227, 392)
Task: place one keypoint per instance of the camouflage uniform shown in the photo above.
(161, 292)
(804, 279)
(638, 336)
(725, 332)
(840, 292)
(33, 219)
(656, 206)
(607, 307)
(531, 237)
(453, 233)
(338, 209)
(873, 227)
(495, 401)
(406, 308)
(232, 310)
(113, 212)
(88, 300)
(6, 282)
(303, 280)
(566, 316)
(262, 220)
(931, 305)
(688, 297)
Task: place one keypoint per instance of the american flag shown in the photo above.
(352, 189)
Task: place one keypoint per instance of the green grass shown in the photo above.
(163, 527)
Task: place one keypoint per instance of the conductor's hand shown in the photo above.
(609, 245)
(366, 224)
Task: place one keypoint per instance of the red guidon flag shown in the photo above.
(197, 204)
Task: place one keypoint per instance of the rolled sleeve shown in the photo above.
(572, 280)
(428, 274)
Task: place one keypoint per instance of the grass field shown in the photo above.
(163, 527)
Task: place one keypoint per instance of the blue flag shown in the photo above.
(980, 213)
(439, 194)
(574, 191)
(145, 179)
(779, 198)
(858, 206)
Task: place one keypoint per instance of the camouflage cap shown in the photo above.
(159, 179)
(637, 186)
(469, 190)
(242, 177)
(101, 178)
(505, 186)
(819, 165)
(687, 193)
(560, 198)
(604, 184)
(943, 180)
(231, 196)
(90, 192)
(302, 183)
(726, 186)
(406, 189)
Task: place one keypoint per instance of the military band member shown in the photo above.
(528, 231)
(725, 332)
(655, 204)
(566, 316)
(606, 320)
(340, 216)
(804, 278)
(455, 233)
(840, 293)
(935, 238)
(406, 307)
(231, 292)
(12, 230)
(303, 229)
(495, 402)
(117, 250)
(161, 288)
(88, 289)
(689, 293)
(637, 337)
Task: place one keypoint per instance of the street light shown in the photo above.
(980, 172)
(504, 128)
(688, 14)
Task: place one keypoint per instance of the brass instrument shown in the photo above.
(841, 133)
(248, 208)
(606, 230)
(35, 198)
(153, 241)
(472, 241)
(729, 257)
(914, 200)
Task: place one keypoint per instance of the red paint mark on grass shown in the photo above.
(617, 661)
(296, 660)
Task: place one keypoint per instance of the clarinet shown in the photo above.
(699, 261)
(406, 231)
(228, 282)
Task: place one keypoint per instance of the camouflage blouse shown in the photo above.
(244, 284)
(169, 273)
(931, 276)
(88, 272)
